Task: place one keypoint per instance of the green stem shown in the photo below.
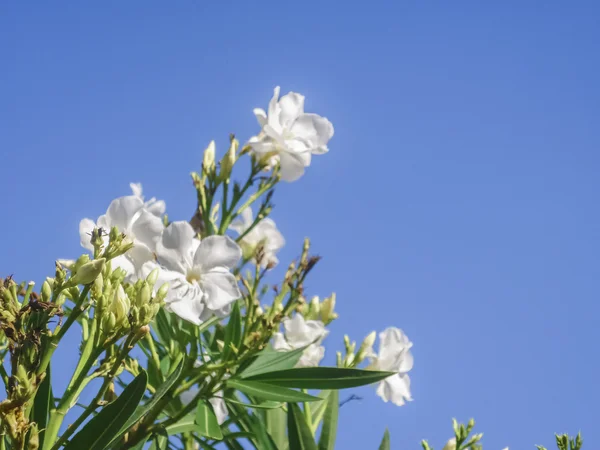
(127, 346)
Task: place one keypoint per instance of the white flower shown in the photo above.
(265, 231)
(156, 207)
(394, 356)
(198, 272)
(217, 402)
(450, 445)
(299, 333)
(290, 134)
(139, 225)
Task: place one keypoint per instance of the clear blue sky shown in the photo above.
(459, 200)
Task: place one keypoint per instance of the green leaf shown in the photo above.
(185, 425)
(165, 363)
(42, 404)
(269, 391)
(299, 435)
(330, 420)
(99, 432)
(321, 377)
(276, 419)
(142, 410)
(265, 405)
(319, 411)
(160, 441)
(207, 422)
(272, 360)
(233, 334)
(385, 442)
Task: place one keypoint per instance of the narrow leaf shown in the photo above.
(206, 421)
(265, 405)
(319, 411)
(233, 333)
(98, 432)
(330, 420)
(142, 410)
(385, 442)
(321, 377)
(276, 427)
(272, 360)
(299, 434)
(42, 405)
(160, 441)
(269, 391)
(185, 425)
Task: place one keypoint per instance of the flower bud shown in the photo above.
(259, 311)
(46, 291)
(208, 163)
(144, 295)
(229, 160)
(162, 293)
(114, 234)
(450, 445)
(83, 259)
(145, 314)
(67, 263)
(366, 348)
(88, 272)
(315, 308)
(153, 277)
(98, 286)
(327, 314)
(120, 306)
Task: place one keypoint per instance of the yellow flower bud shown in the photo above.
(46, 291)
(120, 306)
(208, 163)
(88, 272)
(144, 295)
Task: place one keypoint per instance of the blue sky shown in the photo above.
(459, 200)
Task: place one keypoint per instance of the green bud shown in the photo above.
(153, 277)
(98, 286)
(34, 437)
(120, 305)
(46, 291)
(83, 259)
(450, 445)
(145, 314)
(208, 162)
(144, 295)
(229, 160)
(315, 308)
(88, 272)
(114, 235)
(162, 293)
(366, 348)
(327, 314)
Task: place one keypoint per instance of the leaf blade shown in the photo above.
(299, 435)
(233, 333)
(330, 421)
(42, 405)
(206, 421)
(385, 442)
(268, 391)
(331, 378)
(271, 361)
(101, 429)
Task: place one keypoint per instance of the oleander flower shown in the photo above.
(265, 232)
(394, 356)
(156, 207)
(290, 135)
(299, 333)
(198, 272)
(139, 225)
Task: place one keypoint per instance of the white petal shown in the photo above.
(279, 343)
(392, 341)
(300, 332)
(217, 251)
(86, 226)
(312, 356)
(136, 188)
(219, 407)
(139, 255)
(188, 303)
(274, 110)
(122, 210)
(147, 228)
(292, 167)
(156, 207)
(395, 389)
(221, 289)
(126, 264)
(314, 129)
(261, 116)
(174, 249)
(292, 106)
(242, 223)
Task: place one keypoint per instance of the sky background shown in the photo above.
(459, 199)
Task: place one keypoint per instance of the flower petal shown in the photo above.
(292, 167)
(122, 210)
(147, 228)
(314, 129)
(292, 106)
(261, 116)
(219, 407)
(174, 249)
(221, 289)
(395, 389)
(137, 190)
(217, 251)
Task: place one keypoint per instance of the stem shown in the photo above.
(127, 346)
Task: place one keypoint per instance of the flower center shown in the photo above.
(193, 276)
